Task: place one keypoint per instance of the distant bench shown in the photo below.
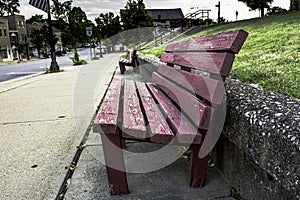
(125, 62)
(176, 107)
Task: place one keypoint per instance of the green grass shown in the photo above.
(270, 56)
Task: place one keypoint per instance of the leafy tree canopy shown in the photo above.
(276, 10)
(108, 24)
(64, 10)
(77, 25)
(258, 4)
(135, 15)
(36, 18)
(9, 7)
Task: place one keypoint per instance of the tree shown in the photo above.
(108, 26)
(9, 7)
(77, 23)
(135, 15)
(71, 21)
(134, 20)
(276, 10)
(61, 21)
(294, 5)
(36, 18)
(37, 39)
(44, 31)
(64, 10)
(258, 4)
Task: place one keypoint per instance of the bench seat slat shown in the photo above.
(186, 133)
(133, 119)
(160, 131)
(196, 110)
(212, 62)
(210, 89)
(231, 41)
(107, 116)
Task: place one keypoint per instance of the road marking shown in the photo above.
(18, 73)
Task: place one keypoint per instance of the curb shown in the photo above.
(17, 82)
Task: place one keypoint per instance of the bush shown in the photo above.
(76, 56)
(76, 60)
(80, 62)
(276, 10)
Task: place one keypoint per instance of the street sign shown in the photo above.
(89, 31)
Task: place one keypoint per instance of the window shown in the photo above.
(19, 24)
(0, 32)
(4, 32)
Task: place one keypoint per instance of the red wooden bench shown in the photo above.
(124, 62)
(175, 107)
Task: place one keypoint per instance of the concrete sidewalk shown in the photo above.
(41, 124)
(43, 120)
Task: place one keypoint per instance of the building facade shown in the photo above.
(5, 45)
(17, 35)
(167, 17)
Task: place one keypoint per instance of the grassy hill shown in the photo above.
(270, 56)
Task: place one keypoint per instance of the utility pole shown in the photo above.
(54, 66)
(219, 11)
(27, 47)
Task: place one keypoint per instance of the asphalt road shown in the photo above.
(11, 71)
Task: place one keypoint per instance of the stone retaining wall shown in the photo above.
(259, 150)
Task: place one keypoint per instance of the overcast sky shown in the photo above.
(94, 7)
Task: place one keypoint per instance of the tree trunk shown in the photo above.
(262, 11)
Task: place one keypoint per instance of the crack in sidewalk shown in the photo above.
(32, 121)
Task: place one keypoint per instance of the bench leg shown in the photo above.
(198, 167)
(115, 168)
(122, 68)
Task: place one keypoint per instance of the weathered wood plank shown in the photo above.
(186, 133)
(197, 111)
(160, 131)
(107, 115)
(231, 41)
(212, 62)
(133, 119)
(210, 89)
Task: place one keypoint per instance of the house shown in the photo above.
(167, 17)
(5, 45)
(17, 34)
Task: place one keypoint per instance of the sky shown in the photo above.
(93, 8)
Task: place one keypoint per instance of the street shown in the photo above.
(11, 71)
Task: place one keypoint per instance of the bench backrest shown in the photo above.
(194, 71)
(134, 58)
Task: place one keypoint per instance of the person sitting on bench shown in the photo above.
(133, 62)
